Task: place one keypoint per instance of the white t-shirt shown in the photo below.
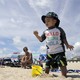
(54, 40)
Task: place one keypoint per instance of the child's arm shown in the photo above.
(37, 35)
(63, 36)
(67, 45)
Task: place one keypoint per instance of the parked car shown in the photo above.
(7, 62)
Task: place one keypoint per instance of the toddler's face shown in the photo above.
(49, 22)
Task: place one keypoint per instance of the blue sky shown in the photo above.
(19, 18)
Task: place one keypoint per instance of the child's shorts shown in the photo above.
(56, 60)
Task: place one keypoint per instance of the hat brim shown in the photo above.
(43, 18)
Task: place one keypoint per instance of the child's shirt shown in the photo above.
(54, 40)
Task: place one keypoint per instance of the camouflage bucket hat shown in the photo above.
(51, 14)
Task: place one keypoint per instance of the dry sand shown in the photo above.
(14, 73)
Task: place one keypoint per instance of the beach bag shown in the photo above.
(36, 70)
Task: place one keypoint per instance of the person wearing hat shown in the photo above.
(55, 40)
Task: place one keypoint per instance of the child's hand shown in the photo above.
(35, 32)
(70, 47)
(37, 35)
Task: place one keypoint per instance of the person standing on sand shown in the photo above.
(55, 40)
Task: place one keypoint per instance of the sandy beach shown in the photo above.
(15, 73)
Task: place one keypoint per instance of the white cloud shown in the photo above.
(42, 3)
(22, 53)
(39, 3)
(17, 26)
(2, 43)
(1, 24)
(2, 2)
(64, 9)
(77, 19)
(77, 44)
(77, 48)
(43, 48)
(1, 51)
(75, 51)
(18, 20)
(4, 52)
(18, 42)
(5, 55)
(69, 54)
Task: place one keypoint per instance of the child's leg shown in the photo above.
(47, 70)
(63, 71)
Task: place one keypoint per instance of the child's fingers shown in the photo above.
(35, 32)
